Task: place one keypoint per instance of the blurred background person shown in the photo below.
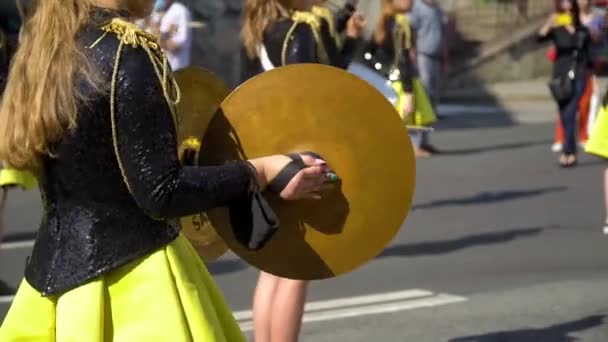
(573, 63)
(588, 104)
(428, 21)
(171, 23)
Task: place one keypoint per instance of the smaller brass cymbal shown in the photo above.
(202, 93)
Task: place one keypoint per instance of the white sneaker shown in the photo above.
(557, 147)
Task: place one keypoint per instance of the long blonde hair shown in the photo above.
(388, 10)
(257, 16)
(40, 100)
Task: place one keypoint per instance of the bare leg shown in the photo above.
(3, 195)
(263, 300)
(288, 309)
(606, 199)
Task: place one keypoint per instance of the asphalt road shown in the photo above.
(501, 245)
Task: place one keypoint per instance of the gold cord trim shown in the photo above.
(402, 37)
(325, 14)
(313, 21)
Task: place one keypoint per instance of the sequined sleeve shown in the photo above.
(147, 150)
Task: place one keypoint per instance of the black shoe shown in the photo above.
(6, 289)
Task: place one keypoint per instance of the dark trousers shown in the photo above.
(568, 111)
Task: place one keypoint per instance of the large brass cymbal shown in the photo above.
(312, 107)
(201, 95)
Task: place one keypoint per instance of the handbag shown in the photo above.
(562, 86)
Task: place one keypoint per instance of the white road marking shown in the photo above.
(363, 306)
(6, 299)
(17, 245)
(352, 301)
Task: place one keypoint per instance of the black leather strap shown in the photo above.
(253, 221)
(289, 171)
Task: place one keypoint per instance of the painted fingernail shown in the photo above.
(333, 177)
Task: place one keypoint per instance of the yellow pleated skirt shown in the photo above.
(424, 114)
(15, 177)
(598, 139)
(167, 296)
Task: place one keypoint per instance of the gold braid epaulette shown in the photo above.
(404, 29)
(313, 21)
(402, 38)
(131, 34)
(325, 14)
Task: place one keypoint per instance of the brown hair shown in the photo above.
(40, 100)
(388, 10)
(257, 16)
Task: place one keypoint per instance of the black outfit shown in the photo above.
(386, 54)
(301, 48)
(573, 54)
(92, 222)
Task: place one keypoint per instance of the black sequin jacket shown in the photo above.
(92, 223)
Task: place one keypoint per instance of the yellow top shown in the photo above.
(563, 19)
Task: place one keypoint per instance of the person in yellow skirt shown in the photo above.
(89, 109)
(391, 53)
(597, 145)
(277, 33)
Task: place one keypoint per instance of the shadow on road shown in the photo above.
(488, 197)
(474, 121)
(226, 266)
(450, 246)
(493, 148)
(554, 333)
(593, 162)
(19, 236)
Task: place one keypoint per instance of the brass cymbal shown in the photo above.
(202, 93)
(312, 107)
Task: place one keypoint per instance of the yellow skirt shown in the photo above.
(14, 177)
(598, 140)
(424, 115)
(166, 296)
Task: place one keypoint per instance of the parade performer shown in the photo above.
(598, 146)
(277, 33)
(391, 52)
(89, 109)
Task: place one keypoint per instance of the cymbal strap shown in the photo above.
(253, 221)
(287, 173)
